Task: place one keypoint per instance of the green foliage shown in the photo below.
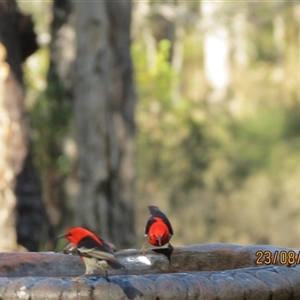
(48, 112)
(50, 118)
(165, 125)
(158, 79)
(49, 115)
(230, 175)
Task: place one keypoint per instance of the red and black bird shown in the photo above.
(158, 228)
(94, 251)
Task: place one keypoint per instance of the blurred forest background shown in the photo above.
(210, 131)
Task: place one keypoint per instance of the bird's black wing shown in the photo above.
(90, 243)
(148, 225)
(156, 212)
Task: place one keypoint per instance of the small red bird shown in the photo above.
(94, 251)
(158, 228)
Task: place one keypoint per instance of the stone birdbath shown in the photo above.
(211, 271)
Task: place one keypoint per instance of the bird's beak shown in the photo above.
(159, 240)
(60, 236)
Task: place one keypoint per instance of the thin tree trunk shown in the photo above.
(141, 28)
(279, 38)
(216, 52)
(19, 191)
(10, 133)
(104, 113)
(240, 40)
(32, 220)
(59, 92)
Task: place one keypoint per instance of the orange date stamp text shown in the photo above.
(281, 257)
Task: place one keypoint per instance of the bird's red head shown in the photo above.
(76, 234)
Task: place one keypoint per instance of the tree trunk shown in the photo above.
(19, 190)
(59, 95)
(216, 52)
(32, 220)
(104, 113)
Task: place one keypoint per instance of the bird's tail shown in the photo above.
(115, 264)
